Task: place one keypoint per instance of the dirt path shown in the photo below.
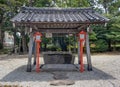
(106, 73)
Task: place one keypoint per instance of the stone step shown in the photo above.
(60, 67)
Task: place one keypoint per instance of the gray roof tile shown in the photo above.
(80, 15)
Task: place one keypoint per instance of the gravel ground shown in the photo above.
(106, 73)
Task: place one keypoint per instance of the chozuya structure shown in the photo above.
(58, 20)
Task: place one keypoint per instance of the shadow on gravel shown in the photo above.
(21, 75)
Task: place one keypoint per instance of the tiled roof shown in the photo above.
(75, 15)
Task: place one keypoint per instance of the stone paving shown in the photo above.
(106, 73)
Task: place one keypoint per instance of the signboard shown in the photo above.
(38, 37)
(82, 36)
(48, 35)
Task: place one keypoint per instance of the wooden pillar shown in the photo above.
(89, 65)
(78, 51)
(74, 43)
(34, 63)
(19, 51)
(30, 53)
(14, 41)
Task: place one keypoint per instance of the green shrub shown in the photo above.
(5, 51)
(100, 46)
(53, 48)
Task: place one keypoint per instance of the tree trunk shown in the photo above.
(14, 48)
(105, 6)
(45, 46)
(109, 45)
(1, 36)
(114, 46)
(1, 31)
(30, 3)
(24, 46)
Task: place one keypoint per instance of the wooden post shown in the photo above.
(78, 51)
(89, 67)
(38, 36)
(34, 63)
(14, 40)
(74, 43)
(37, 57)
(19, 51)
(81, 56)
(30, 53)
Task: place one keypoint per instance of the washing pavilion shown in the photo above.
(58, 20)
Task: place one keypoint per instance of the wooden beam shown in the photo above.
(66, 30)
(81, 27)
(85, 22)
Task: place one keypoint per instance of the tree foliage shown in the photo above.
(109, 34)
(62, 3)
(8, 9)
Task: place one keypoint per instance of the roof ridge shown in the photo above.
(56, 7)
(52, 9)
